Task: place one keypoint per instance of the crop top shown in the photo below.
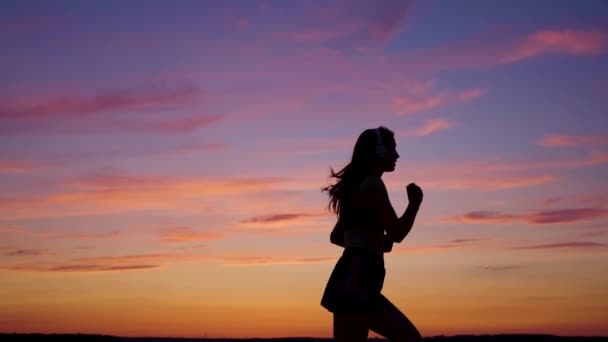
(358, 219)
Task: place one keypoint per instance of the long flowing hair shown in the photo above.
(363, 160)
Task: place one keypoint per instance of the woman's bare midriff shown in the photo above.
(373, 236)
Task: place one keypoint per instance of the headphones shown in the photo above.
(380, 149)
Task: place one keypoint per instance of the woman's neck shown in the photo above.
(377, 171)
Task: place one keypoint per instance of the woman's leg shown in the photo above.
(391, 323)
(351, 327)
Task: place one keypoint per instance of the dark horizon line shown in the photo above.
(506, 337)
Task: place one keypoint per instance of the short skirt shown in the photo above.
(355, 283)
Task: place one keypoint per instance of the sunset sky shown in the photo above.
(161, 162)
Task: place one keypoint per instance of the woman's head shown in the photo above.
(374, 154)
(375, 151)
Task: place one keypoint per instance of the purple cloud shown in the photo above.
(563, 245)
(539, 217)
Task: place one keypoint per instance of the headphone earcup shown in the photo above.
(380, 151)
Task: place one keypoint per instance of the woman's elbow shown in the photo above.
(398, 238)
(397, 235)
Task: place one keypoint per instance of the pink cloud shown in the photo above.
(4, 228)
(594, 234)
(98, 264)
(360, 23)
(110, 180)
(463, 175)
(484, 50)
(501, 268)
(482, 182)
(113, 235)
(80, 268)
(98, 195)
(587, 199)
(468, 95)
(404, 105)
(556, 216)
(150, 261)
(480, 169)
(282, 231)
(43, 234)
(206, 185)
(452, 245)
(105, 112)
(26, 252)
(17, 166)
(482, 217)
(410, 104)
(262, 260)
(187, 234)
(564, 245)
(173, 125)
(466, 241)
(567, 215)
(74, 106)
(551, 201)
(558, 41)
(116, 180)
(430, 127)
(572, 140)
(278, 218)
(35, 159)
(125, 258)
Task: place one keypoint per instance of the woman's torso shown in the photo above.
(363, 230)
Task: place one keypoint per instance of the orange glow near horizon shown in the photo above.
(161, 165)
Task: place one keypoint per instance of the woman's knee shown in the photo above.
(404, 334)
(407, 331)
(395, 326)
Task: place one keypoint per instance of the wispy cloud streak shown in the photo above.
(26, 252)
(565, 245)
(572, 140)
(73, 107)
(539, 217)
(483, 52)
(187, 234)
(17, 166)
(278, 218)
(112, 193)
(431, 126)
(410, 104)
(81, 268)
(132, 111)
(501, 268)
(558, 41)
(138, 262)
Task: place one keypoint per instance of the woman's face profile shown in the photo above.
(390, 160)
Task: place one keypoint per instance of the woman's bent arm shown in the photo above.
(406, 222)
(396, 228)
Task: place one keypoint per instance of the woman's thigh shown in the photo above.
(351, 327)
(391, 323)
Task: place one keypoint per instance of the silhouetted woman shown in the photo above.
(367, 227)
